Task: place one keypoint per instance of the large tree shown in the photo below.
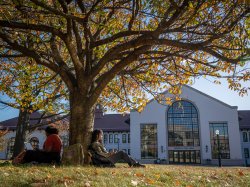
(116, 51)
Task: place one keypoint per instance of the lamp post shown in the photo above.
(217, 132)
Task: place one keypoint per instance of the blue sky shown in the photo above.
(220, 92)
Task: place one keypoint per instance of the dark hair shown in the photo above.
(95, 135)
(51, 130)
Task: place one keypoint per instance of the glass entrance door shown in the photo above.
(184, 157)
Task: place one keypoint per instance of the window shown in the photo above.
(110, 138)
(105, 138)
(116, 138)
(128, 138)
(246, 152)
(65, 140)
(34, 142)
(149, 148)
(10, 147)
(128, 151)
(184, 156)
(124, 138)
(245, 138)
(222, 139)
(183, 127)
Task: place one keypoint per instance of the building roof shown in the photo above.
(112, 122)
(198, 91)
(244, 119)
(11, 124)
(107, 122)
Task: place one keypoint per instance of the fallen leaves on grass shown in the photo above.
(241, 173)
(6, 174)
(87, 184)
(39, 183)
(157, 176)
(134, 182)
(177, 183)
(139, 174)
(149, 181)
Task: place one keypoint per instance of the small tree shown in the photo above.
(30, 88)
(115, 52)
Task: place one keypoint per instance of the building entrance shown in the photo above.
(184, 157)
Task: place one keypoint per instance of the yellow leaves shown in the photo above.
(168, 101)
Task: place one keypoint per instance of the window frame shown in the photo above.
(124, 138)
(183, 125)
(223, 138)
(105, 138)
(116, 138)
(110, 138)
(10, 147)
(246, 153)
(245, 138)
(149, 145)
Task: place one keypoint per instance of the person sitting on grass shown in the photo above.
(98, 148)
(49, 154)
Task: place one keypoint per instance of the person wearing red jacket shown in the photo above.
(49, 154)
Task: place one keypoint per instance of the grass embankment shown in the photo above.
(122, 175)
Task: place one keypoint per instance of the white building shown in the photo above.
(244, 120)
(185, 131)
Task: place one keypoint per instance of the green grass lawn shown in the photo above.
(122, 175)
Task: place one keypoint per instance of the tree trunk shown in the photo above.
(22, 124)
(81, 121)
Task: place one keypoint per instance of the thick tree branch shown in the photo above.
(29, 26)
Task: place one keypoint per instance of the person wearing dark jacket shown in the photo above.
(113, 157)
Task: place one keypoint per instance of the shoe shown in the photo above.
(138, 165)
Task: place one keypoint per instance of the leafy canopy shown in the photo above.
(116, 52)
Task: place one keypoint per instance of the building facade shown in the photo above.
(244, 122)
(194, 130)
(185, 132)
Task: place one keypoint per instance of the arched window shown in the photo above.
(34, 142)
(183, 127)
(10, 147)
(183, 132)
